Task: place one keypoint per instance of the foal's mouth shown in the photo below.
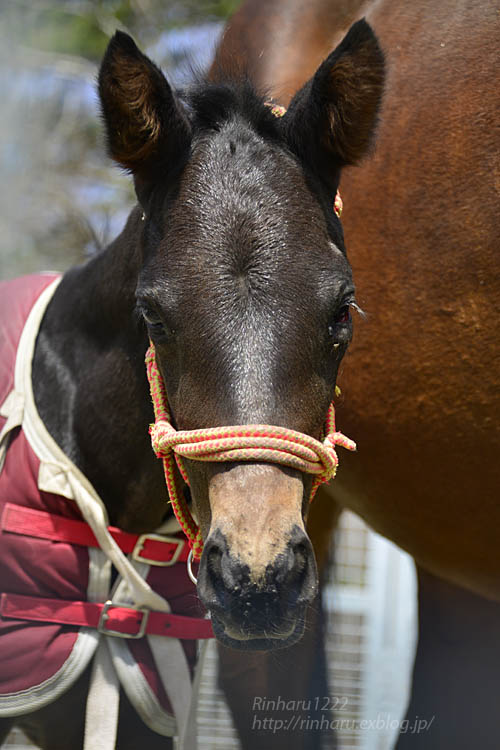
(247, 638)
(261, 608)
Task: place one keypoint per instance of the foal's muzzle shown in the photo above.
(266, 613)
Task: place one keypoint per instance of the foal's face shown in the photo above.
(245, 291)
(248, 302)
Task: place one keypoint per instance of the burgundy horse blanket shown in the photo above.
(73, 588)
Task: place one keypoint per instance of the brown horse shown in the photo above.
(421, 380)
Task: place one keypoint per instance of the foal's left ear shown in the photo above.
(331, 120)
(147, 128)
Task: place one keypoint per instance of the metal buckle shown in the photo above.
(157, 538)
(117, 633)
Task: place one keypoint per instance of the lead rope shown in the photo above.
(249, 442)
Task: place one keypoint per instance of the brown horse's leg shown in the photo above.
(133, 734)
(5, 727)
(321, 522)
(60, 725)
(294, 678)
(456, 680)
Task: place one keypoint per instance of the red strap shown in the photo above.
(120, 620)
(149, 548)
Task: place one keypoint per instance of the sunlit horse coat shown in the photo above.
(41, 492)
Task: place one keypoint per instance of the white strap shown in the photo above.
(61, 472)
(101, 719)
(95, 515)
(171, 663)
(173, 669)
(188, 739)
(13, 409)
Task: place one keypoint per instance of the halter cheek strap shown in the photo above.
(249, 442)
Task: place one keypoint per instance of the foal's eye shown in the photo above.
(339, 328)
(152, 319)
(342, 317)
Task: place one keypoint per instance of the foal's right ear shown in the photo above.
(146, 125)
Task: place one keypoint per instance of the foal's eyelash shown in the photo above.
(352, 303)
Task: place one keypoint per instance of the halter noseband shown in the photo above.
(249, 442)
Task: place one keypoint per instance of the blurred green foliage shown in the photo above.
(65, 200)
(82, 27)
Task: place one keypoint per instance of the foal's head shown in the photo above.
(245, 290)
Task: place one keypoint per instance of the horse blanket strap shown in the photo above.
(58, 554)
(109, 618)
(154, 549)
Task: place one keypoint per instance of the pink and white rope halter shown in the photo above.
(249, 442)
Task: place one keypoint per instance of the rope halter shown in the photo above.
(249, 442)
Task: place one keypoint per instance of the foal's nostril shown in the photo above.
(213, 583)
(301, 556)
(302, 574)
(214, 559)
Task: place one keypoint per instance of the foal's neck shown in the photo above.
(90, 384)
